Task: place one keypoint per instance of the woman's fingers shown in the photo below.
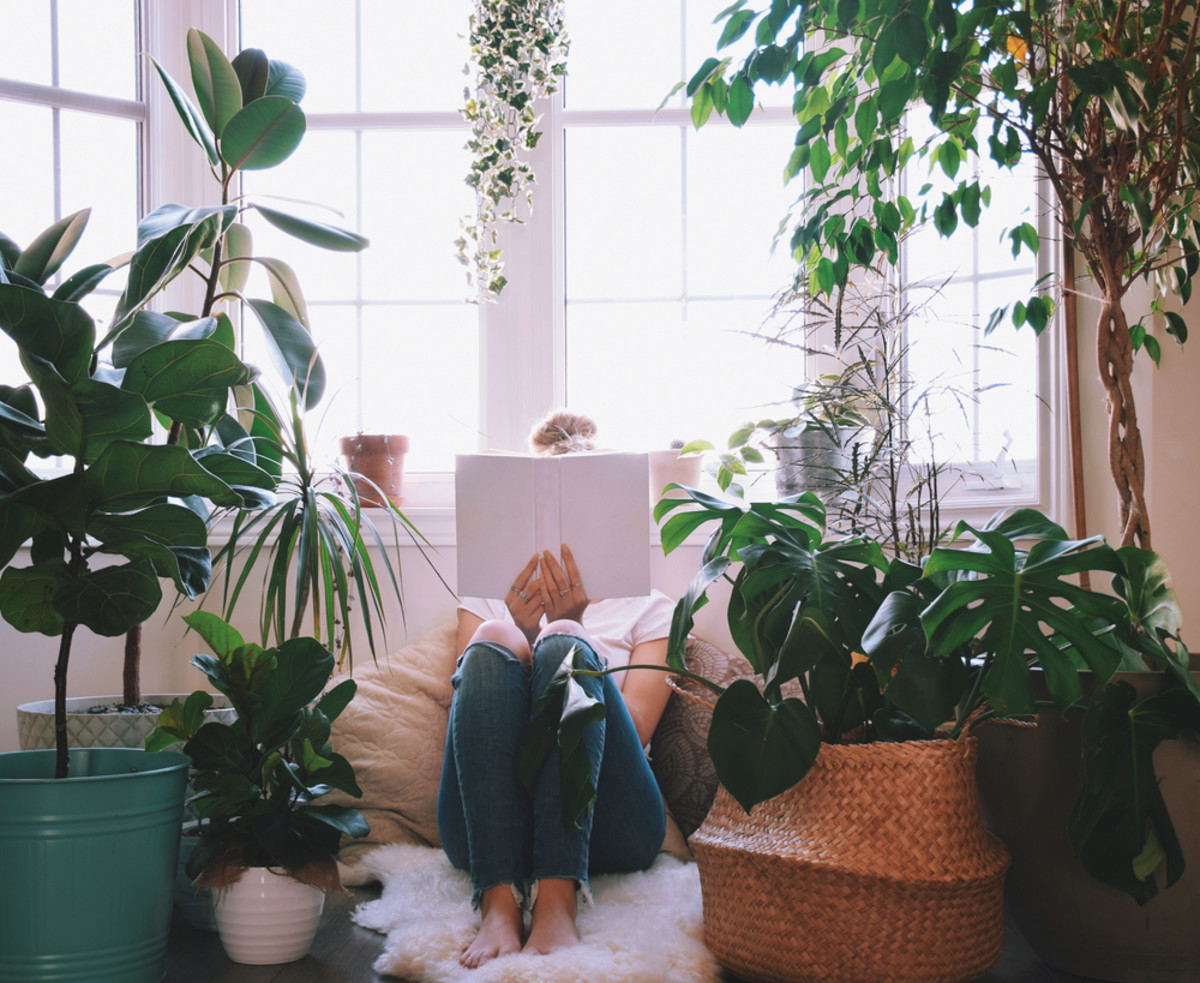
(555, 577)
(573, 577)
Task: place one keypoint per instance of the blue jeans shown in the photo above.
(491, 826)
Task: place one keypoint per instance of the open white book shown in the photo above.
(510, 506)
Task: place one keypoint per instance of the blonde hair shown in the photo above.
(563, 432)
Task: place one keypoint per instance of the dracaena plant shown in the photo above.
(258, 779)
(120, 497)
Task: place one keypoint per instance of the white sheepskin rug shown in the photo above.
(642, 928)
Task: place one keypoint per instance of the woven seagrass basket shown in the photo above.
(875, 868)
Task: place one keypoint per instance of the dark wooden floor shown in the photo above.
(343, 953)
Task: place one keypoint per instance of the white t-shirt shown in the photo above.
(616, 625)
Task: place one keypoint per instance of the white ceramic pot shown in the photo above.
(667, 466)
(268, 918)
(35, 721)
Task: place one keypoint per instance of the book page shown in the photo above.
(494, 521)
(510, 506)
(605, 519)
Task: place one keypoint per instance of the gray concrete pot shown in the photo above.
(1028, 777)
(811, 460)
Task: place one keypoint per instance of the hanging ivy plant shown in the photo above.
(519, 56)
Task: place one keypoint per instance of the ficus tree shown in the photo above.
(1102, 93)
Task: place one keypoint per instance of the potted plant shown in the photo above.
(375, 465)
(99, 533)
(673, 464)
(266, 847)
(889, 657)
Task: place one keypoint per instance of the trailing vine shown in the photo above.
(519, 56)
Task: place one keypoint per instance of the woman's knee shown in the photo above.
(564, 626)
(506, 634)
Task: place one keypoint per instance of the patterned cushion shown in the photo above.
(679, 747)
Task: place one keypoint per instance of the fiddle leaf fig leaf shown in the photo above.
(758, 749)
(128, 476)
(187, 379)
(26, 596)
(111, 600)
(44, 256)
(62, 333)
(221, 637)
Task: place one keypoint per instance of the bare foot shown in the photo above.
(553, 924)
(500, 933)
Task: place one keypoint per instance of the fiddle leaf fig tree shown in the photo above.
(1102, 93)
(101, 532)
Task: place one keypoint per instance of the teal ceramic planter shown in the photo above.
(88, 865)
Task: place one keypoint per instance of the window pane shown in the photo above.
(105, 182)
(660, 371)
(109, 68)
(316, 37)
(625, 54)
(27, 190)
(414, 183)
(735, 199)
(420, 377)
(322, 171)
(624, 212)
(413, 55)
(25, 46)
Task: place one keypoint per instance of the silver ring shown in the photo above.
(567, 591)
(523, 595)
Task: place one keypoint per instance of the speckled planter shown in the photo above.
(35, 721)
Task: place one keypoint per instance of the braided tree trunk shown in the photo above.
(1126, 460)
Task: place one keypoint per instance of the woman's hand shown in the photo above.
(524, 600)
(563, 595)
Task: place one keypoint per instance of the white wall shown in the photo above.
(96, 662)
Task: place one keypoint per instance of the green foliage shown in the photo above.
(245, 117)
(257, 779)
(113, 500)
(886, 650)
(1101, 94)
(315, 539)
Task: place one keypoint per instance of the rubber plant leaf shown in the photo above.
(218, 90)
(193, 121)
(262, 134)
(315, 233)
(1119, 826)
(293, 351)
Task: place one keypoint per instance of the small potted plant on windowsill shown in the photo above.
(375, 463)
(266, 849)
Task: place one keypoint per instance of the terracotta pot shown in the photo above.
(379, 458)
(1028, 778)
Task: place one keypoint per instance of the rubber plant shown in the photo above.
(518, 58)
(123, 511)
(1100, 92)
(246, 117)
(888, 650)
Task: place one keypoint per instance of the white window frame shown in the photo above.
(523, 335)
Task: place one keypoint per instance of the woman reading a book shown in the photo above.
(516, 845)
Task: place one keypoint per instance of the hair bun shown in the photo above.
(562, 432)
